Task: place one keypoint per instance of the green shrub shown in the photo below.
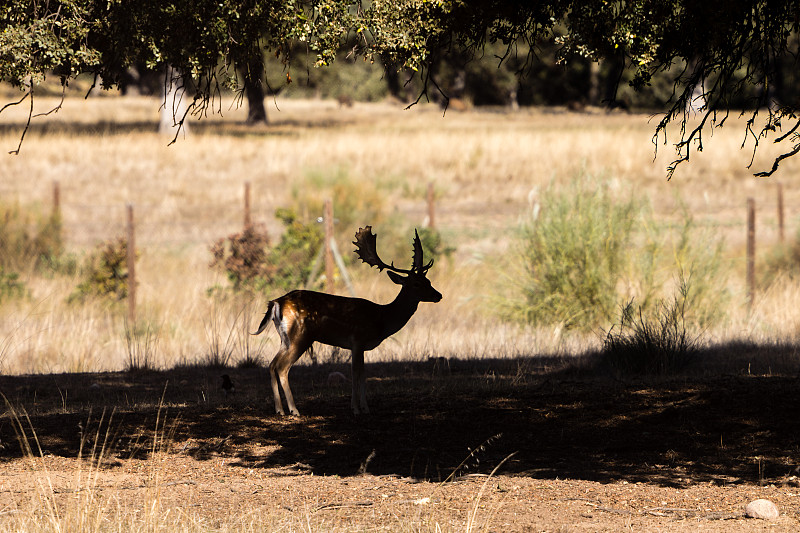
(781, 261)
(29, 240)
(293, 257)
(433, 245)
(356, 203)
(251, 264)
(574, 256)
(105, 273)
(586, 251)
(10, 286)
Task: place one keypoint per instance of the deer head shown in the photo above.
(414, 278)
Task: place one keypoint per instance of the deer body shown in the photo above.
(304, 317)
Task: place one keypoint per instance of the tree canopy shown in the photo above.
(714, 50)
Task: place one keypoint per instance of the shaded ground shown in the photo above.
(725, 439)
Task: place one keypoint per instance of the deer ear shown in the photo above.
(397, 278)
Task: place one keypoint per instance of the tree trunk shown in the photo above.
(396, 89)
(254, 90)
(594, 83)
(173, 104)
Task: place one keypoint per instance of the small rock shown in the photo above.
(761, 509)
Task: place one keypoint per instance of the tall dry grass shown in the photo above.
(488, 168)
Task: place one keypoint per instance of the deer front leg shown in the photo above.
(358, 401)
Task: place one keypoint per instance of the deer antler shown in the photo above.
(366, 249)
(417, 262)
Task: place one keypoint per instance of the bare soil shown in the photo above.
(576, 452)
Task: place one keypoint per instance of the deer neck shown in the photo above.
(399, 312)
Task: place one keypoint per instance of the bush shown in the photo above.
(574, 257)
(586, 251)
(251, 265)
(10, 286)
(105, 273)
(294, 256)
(356, 203)
(782, 261)
(433, 245)
(29, 240)
(243, 258)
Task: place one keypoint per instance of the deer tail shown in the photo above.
(266, 319)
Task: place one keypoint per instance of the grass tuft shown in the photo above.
(657, 344)
(141, 342)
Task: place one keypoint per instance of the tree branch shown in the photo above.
(777, 162)
(27, 123)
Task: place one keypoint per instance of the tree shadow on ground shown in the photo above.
(216, 127)
(559, 419)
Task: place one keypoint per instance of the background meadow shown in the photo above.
(493, 172)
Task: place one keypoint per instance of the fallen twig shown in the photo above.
(341, 505)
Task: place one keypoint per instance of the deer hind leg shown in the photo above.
(279, 372)
(273, 375)
(358, 401)
(292, 347)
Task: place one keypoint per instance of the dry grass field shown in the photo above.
(487, 167)
(592, 453)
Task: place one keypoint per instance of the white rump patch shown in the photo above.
(281, 324)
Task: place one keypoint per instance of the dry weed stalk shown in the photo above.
(86, 504)
(474, 513)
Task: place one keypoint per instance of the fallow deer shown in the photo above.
(303, 317)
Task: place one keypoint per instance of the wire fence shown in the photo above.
(175, 225)
(176, 222)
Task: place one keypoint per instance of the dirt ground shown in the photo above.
(573, 451)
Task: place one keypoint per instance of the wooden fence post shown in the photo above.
(56, 199)
(781, 234)
(131, 269)
(247, 220)
(751, 253)
(328, 220)
(431, 206)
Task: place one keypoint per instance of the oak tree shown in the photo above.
(715, 51)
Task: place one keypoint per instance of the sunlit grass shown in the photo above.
(489, 169)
